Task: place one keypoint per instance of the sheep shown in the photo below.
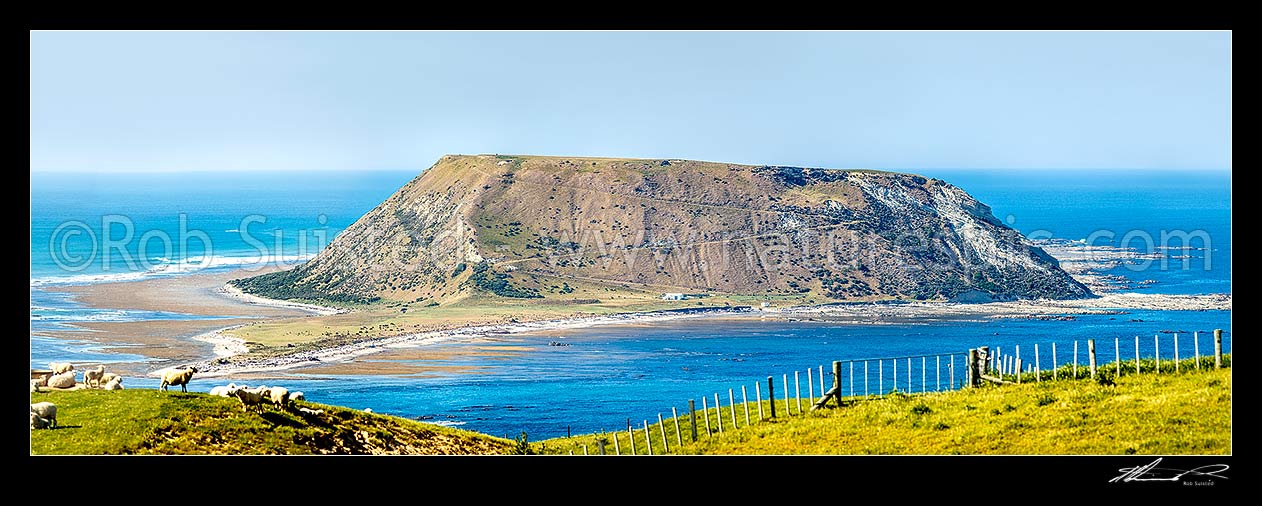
(105, 378)
(60, 367)
(93, 376)
(297, 396)
(180, 378)
(219, 391)
(38, 423)
(47, 411)
(115, 384)
(308, 411)
(249, 398)
(35, 386)
(63, 380)
(278, 395)
(42, 380)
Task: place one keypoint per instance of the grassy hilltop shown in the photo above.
(98, 422)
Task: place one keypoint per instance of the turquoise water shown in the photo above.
(611, 373)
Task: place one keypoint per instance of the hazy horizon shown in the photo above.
(115, 102)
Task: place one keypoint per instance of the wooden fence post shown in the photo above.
(1091, 356)
(661, 425)
(616, 449)
(1017, 361)
(895, 364)
(585, 449)
(865, 379)
(600, 443)
(1038, 377)
(797, 391)
(771, 396)
(1156, 351)
(705, 410)
(880, 378)
(758, 398)
(971, 370)
(631, 436)
(718, 412)
(821, 382)
(1117, 355)
(1075, 359)
(1218, 349)
(745, 402)
(692, 413)
(731, 407)
(837, 380)
(952, 368)
(1055, 364)
(937, 373)
(851, 383)
(679, 436)
(1136, 354)
(648, 440)
(784, 380)
(1196, 348)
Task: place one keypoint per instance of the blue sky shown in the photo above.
(178, 101)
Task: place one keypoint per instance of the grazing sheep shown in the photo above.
(47, 411)
(60, 367)
(38, 423)
(278, 395)
(249, 398)
(115, 384)
(180, 378)
(42, 380)
(297, 396)
(35, 386)
(93, 376)
(105, 378)
(63, 380)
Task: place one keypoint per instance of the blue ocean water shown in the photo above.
(609, 374)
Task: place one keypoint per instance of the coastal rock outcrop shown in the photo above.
(529, 227)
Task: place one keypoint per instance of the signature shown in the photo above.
(1151, 472)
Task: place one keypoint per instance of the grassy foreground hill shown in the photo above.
(98, 422)
(1168, 414)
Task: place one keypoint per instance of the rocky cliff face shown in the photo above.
(529, 226)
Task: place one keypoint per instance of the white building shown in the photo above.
(673, 296)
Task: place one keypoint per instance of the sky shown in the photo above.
(184, 101)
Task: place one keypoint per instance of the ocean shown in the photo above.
(96, 228)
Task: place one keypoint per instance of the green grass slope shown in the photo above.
(1188, 413)
(97, 422)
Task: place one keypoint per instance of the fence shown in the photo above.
(1003, 367)
(853, 380)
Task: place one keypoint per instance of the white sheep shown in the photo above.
(93, 376)
(60, 367)
(63, 380)
(47, 411)
(106, 378)
(297, 396)
(35, 386)
(115, 384)
(278, 395)
(38, 423)
(249, 398)
(42, 380)
(180, 378)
